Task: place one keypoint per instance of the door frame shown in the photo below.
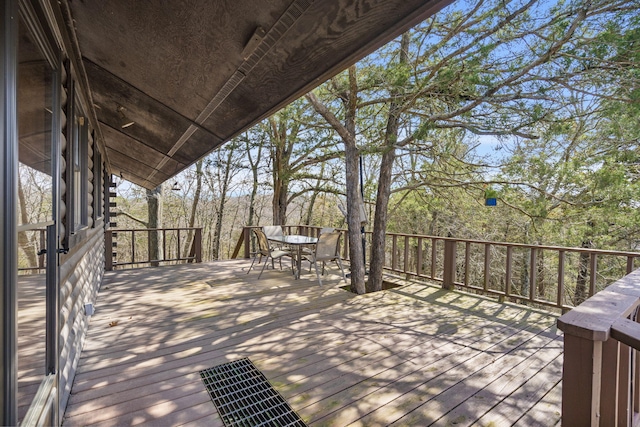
(44, 408)
(8, 214)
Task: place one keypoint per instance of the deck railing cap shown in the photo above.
(593, 318)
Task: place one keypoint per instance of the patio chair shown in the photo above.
(274, 231)
(327, 249)
(264, 250)
(323, 230)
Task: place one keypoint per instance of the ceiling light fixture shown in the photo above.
(125, 122)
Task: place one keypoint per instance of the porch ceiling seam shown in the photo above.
(60, 14)
(160, 153)
(275, 33)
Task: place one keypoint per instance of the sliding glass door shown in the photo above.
(37, 223)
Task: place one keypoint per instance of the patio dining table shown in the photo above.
(298, 242)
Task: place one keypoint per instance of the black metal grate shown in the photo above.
(244, 397)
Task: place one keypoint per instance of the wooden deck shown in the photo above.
(412, 356)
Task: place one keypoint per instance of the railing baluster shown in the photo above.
(593, 267)
(533, 273)
(406, 256)
(487, 266)
(394, 258)
(629, 264)
(164, 243)
(133, 246)
(434, 243)
(560, 279)
(419, 258)
(635, 375)
(508, 271)
(624, 384)
(467, 262)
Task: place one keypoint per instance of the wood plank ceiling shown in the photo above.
(193, 74)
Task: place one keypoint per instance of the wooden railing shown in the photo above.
(129, 247)
(600, 378)
(549, 276)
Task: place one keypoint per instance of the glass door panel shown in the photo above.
(35, 213)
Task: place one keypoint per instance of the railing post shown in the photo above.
(581, 381)
(247, 242)
(449, 278)
(598, 374)
(108, 250)
(197, 241)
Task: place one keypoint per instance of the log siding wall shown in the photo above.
(80, 278)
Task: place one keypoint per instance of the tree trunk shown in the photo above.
(223, 200)
(352, 159)
(314, 195)
(384, 185)
(581, 293)
(356, 251)
(23, 240)
(154, 207)
(254, 187)
(194, 207)
(280, 153)
(347, 132)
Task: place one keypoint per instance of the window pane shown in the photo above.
(34, 206)
(34, 130)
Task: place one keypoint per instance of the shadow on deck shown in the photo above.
(415, 355)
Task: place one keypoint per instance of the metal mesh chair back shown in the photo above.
(263, 243)
(273, 230)
(327, 246)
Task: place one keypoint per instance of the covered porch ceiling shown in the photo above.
(193, 74)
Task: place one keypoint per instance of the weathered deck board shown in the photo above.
(415, 355)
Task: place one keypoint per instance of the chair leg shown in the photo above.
(339, 262)
(263, 266)
(315, 263)
(253, 262)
